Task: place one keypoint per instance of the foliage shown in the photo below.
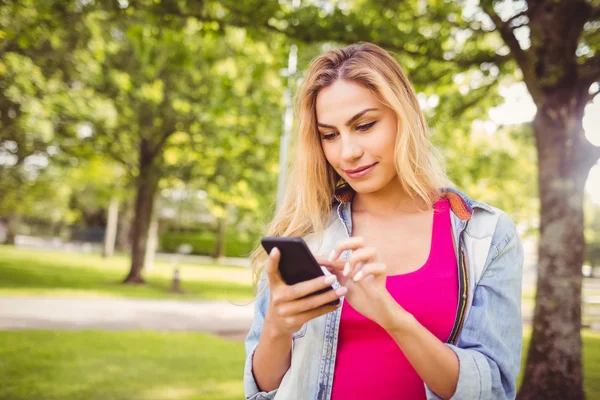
(204, 243)
(498, 168)
(39, 103)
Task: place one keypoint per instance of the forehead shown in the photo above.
(339, 102)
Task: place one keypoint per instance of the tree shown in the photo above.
(39, 102)
(170, 80)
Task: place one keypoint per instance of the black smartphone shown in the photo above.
(297, 264)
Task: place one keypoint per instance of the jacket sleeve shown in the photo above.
(489, 345)
(251, 390)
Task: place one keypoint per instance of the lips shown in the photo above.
(353, 171)
(360, 171)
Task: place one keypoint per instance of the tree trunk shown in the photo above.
(220, 242)
(146, 186)
(11, 228)
(124, 228)
(111, 228)
(152, 242)
(554, 365)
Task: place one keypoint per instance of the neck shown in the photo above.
(392, 199)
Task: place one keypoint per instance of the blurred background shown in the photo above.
(144, 145)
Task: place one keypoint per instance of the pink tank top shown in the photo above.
(369, 364)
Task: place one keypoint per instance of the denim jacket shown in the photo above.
(487, 332)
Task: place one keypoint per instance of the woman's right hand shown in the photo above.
(288, 308)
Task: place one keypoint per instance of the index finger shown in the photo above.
(335, 264)
(352, 243)
(272, 267)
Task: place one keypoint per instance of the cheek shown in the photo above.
(330, 153)
(386, 143)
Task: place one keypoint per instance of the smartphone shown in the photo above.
(297, 264)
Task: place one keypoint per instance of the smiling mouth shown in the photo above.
(357, 170)
(360, 172)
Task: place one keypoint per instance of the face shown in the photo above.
(358, 135)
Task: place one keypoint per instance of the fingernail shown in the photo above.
(331, 255)
(341, 291)
(358, 276)
(274, 251)
(346, 269)
(329, 279)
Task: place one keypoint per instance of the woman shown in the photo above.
(430, 280)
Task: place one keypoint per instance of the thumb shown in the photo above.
(272, 267)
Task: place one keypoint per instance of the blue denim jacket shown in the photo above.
(487, 332)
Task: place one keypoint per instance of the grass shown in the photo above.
(136, 365)
(54, 273)
(150, 365)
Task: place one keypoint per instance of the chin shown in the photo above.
(366, 187)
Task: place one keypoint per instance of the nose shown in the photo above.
(351, 149)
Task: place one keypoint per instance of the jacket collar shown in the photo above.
(460, 204)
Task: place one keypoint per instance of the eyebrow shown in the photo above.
(351, 120)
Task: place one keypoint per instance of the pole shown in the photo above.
(288, 119)
(111, 227)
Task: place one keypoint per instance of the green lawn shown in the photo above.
(148, 365)
(37, 272)
(138, 365)
(135, 365)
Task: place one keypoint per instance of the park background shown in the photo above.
(143, 144)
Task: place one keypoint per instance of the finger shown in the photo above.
(302, 289)
(312, 302)
(317, 312)
(363, 255)
(350, 270)
(272, 267)
(335, 264)
(373, 269)
(337, 272)
(352, 243)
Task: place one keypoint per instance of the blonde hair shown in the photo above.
(312, 182)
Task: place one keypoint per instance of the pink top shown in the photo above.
(369, 364)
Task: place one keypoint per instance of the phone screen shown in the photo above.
(297, 264)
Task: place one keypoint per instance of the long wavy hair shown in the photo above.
(312, 182)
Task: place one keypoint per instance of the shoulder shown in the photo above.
(484, 220)
(494, 222)
(496, 227)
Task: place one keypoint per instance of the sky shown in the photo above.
(519, 108)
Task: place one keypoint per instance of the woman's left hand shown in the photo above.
(365, 279)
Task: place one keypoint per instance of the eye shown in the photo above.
(365, 127)
(329, 136)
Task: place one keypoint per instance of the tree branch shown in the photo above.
(304, 35)
(594, 153)
(515, 27)
(480, 93)
(592, 95)
(595, 14)
(589, 71)
(524, 13)
(506, 33)
(522, 57)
